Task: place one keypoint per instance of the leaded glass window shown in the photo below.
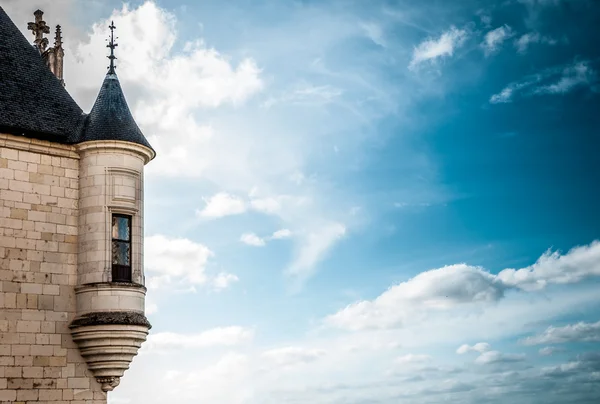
(121, 248)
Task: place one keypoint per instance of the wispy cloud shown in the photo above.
(281, 234)
(433, 49)
(549, 350)
(308, 95)
(374, 32)
(582, 331)
(573, 76)
(258, 241)
(494, 39)
(524, 41)
(491, 357)
(314, 247)
(552, 81)
(222, 336)
(292, 356)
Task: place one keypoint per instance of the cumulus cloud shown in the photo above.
(554, 268)
(176, 258)
(224, 280)
(553, 81)
(494, 39)
(582, 331)
(490, 357)
(222, 336)
(457, 285)
(433, 49)
(437, 289)
(292, 356)
(220, 205)
(252, 239)
(478, 347)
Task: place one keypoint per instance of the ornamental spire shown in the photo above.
(112, 45)
(39, 28)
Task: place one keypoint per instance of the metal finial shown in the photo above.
(112, 45)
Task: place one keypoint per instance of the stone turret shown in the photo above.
(110, 325)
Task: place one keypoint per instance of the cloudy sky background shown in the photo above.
(359, 202)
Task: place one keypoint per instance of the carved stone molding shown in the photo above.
(108, 349)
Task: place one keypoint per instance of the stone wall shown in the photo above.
(38, 273)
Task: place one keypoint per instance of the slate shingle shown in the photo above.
(110, 118)
(33, 102)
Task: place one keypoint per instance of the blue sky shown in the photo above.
(359, 202)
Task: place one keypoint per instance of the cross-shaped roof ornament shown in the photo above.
(39, 28)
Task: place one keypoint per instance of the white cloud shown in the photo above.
(223, 336)
(548, 350)
(252, 239)
(437, 289)
(573, 76)
(490, 357)
(292, 356)
(281, 234)
(151, 308)
(478, 347)
(269, 205)
(314, 247)
(551, 81)
(502, 97)
(306, 95)
(582, 331)
(374, 32)
(412, 358)
(524, 41)
(175, 259)
(222, 204)
(458, 285)
(553, 268)
(224, 280)
(495, 38)
(432, 49)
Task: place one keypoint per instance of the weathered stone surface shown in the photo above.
(111, 318)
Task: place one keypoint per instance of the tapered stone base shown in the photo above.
(108, 349)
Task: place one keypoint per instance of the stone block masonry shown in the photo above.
(39, 197)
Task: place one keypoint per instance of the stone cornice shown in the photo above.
(106, 145)
(38, 146)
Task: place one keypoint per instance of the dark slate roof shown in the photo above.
(33, 102)
(110, 118)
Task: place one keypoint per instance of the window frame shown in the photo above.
(122, 273)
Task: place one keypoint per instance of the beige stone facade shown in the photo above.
(55, 207)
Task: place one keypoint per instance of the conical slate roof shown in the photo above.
(33, 102)
(110, 118)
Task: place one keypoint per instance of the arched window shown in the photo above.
(121, 248)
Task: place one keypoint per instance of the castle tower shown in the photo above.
(71, 228)
(110, 324)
